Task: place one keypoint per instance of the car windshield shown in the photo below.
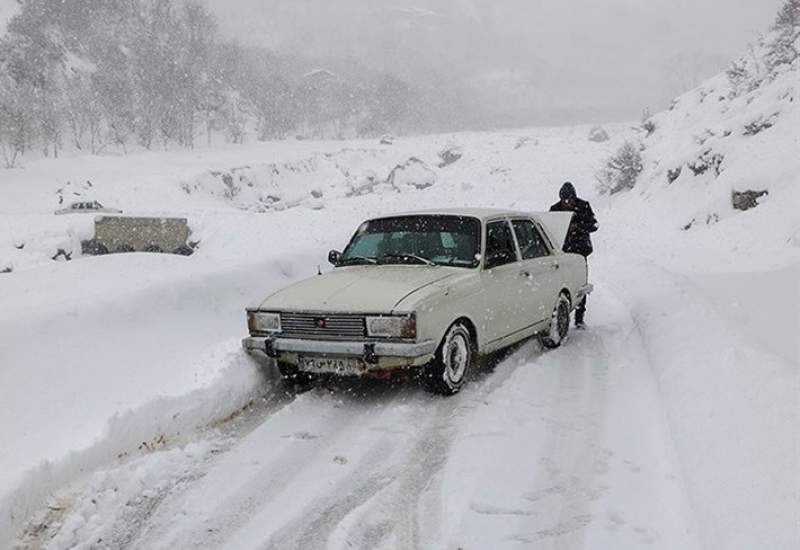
(424, 240)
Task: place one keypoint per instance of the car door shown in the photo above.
(503, 313)
(540, 270)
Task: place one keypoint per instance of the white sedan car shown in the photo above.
(425, 290)
(88, 207)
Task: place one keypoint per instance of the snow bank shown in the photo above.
(111, 496)
(732, 408)
(121, 353)
(157, 423)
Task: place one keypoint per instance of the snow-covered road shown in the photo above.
(563, 449)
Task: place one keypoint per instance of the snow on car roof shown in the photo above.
(481, 213)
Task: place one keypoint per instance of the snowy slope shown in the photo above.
(670, 423)
(716, 140)
(719, 310)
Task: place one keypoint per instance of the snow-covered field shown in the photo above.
(131, 419)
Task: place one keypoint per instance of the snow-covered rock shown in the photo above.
(413, 173)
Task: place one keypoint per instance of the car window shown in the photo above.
(365, 246)
(442, 240)
(500, 248)
(531, 242)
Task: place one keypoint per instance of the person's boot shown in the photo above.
(580, 311)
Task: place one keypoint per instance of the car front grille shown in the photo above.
(323, 326)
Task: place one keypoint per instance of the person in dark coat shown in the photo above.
(578, 239)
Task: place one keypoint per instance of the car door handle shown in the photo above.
(554, 266)
(525, 274)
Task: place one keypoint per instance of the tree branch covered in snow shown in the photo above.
(775, 52)
(621, 170)
(783, 43)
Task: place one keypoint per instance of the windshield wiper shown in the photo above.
(419, 259)
(358, 259)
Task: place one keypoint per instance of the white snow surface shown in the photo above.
(671, 422)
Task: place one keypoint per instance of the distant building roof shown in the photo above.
(322, 74)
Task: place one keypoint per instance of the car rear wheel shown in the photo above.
(454, 358)
(559, 323)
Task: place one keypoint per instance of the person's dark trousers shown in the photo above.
(580, 311)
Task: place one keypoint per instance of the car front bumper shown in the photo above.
(375, 355)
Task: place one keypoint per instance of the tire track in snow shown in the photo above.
(588, 456)
(278, 459)
(399, 490)
(568, 464)
(311, 529)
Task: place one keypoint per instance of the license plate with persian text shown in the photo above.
(346, 366)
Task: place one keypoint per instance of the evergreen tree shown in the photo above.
(782, 46)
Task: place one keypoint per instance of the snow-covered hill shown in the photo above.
(715, 141)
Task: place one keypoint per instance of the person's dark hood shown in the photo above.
(567, 191)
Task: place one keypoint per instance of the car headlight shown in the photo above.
(392, 326)
(258, 321)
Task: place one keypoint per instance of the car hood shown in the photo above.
(369, 289)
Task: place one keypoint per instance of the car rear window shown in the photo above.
(531, 243)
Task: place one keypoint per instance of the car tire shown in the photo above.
(559, 323)
(453, 361)
(293, 376)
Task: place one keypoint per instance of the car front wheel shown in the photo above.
(559, 323)
(453, 361)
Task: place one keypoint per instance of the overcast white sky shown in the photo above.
(545, 61)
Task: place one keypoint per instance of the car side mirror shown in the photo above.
(334, 257)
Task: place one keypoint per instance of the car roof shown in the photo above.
(480, 213)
